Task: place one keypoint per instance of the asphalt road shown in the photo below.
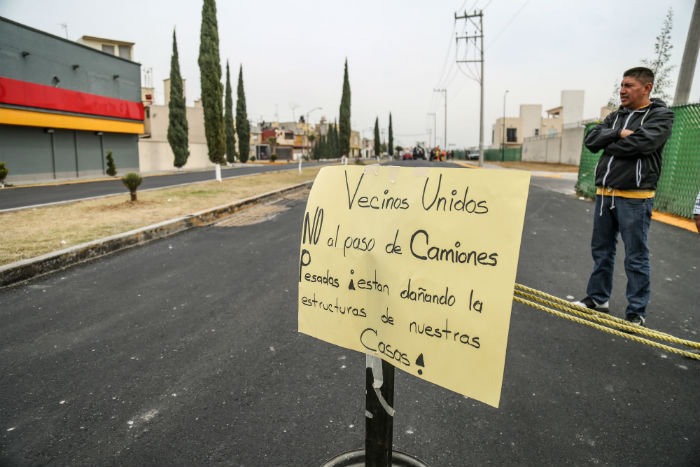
(185, 352)
(27, 196)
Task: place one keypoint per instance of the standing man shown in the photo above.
(632, 139)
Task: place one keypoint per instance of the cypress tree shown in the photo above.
(323, 146)
(228, 120)
(337, 140)
(329, 142)
(391, 137)
(242, 124)
(377, 142)
(210, 77)
(344, 133)
(333, 143)
(317, 147)
(177, 113)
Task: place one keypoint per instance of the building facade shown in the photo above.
(512, 132)
(64, 106)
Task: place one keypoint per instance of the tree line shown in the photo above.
(220, 130)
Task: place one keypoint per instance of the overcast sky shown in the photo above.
(398, 52)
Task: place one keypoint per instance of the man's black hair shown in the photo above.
(641, 74)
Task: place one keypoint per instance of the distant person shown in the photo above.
(696, 212)
(632, 139)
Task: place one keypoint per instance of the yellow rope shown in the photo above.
(608, 320)
(525, 295)
(613, 321)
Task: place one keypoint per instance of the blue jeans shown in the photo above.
(631, 218)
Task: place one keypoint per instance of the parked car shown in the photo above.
(407, 156)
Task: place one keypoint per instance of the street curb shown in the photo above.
(19, 271)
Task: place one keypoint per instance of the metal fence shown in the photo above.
(680, 168)
(510, 154)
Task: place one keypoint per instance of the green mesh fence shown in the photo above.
(680, 169)
(510, 154)
(586, 167)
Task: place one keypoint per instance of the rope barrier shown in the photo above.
(563, 305)
(601, 321)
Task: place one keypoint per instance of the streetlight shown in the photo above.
(503, 148)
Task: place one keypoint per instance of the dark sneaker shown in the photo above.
(635, 319)
(588, 302)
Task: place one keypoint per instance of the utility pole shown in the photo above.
(445, 92)
(478, 34)
(690, 58)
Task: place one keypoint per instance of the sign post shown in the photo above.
(379, 414)
(414, 267)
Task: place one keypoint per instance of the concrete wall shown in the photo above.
(535, 149)
(571, 145)
(155, 154)
(553, 150)
(562, 149)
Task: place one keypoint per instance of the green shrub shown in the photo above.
(273, 157)
(3, 173)
(132, 181)
(111, 168)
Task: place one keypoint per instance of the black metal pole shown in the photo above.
(379, 424)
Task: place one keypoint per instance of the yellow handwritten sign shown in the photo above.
(416, 266)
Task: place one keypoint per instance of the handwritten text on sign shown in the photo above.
(416, 266)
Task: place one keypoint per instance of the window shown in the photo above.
(124, 52)
(511, 135)
(108, 48)
(537, 132)
(289, 135)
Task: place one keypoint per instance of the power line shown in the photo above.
(485, 6)
(447, 55)
(497, 35)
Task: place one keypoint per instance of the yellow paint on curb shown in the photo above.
(467, 165)
(676, 221)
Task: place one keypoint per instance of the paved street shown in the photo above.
(18, 197)
(185, 352)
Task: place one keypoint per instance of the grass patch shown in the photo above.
(32, 232)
